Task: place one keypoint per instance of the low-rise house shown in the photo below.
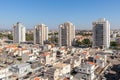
(35, 50)
(34, 64)
(63, 68)
(86, 71)
(10, 48)
(28, 56)
(20, 70)
(84, 55)
(63, 51)
(101, 60)
(20, 51)
(47, 58)
(57, 71)
(52, 74)
(74, 62)
(5, 74)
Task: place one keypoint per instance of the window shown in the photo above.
(51, 76)
(83, 70)
(88, 70)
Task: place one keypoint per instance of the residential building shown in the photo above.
(85, 55)
(66, 34)
(47, 58)
(5, 74)
(19, 33)
(63, 68)
(20, 70)
(58, 71)
(101, 60)
(86, 71)
(40, 34)
(52, 74)
(101, 33)
(75, 61)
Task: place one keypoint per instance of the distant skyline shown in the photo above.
(55, 12)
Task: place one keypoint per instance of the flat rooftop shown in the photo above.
(60, 65)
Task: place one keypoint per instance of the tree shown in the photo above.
(10, 37)
(113, 44)
(53, 39)
(86, 42)
(78, 42)
(56, 33)
(56, 39)
(1, 35)
(19, 58)
(29, 37)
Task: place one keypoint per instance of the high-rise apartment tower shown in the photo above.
(19, 33)
(40, 34)
(101, 33)
(66, 34)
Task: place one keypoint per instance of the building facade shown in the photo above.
(19, 33)
(66, 34)
(101, 33)
(20, 70)
(40, 34)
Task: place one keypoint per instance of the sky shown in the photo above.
(55, 12)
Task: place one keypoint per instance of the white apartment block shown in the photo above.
(5, 74)
(19, 33)
(40, 34)
(66, 34)
(20, 70)
(101, 33)
(86, 71)
(58, 71)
